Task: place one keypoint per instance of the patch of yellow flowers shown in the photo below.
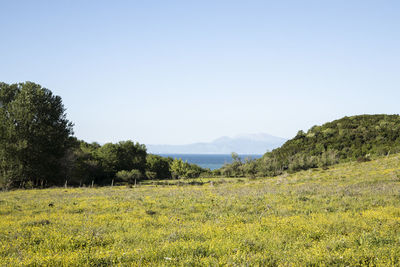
(346, 215)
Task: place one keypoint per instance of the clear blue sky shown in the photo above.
(178, 72)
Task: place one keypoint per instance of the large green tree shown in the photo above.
(34, 134)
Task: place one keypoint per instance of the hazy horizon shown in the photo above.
(181, 72)
(224, 136)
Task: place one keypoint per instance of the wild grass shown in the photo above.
(346, 215)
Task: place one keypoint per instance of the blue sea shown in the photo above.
(210, 161)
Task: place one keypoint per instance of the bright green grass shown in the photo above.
(347, 215)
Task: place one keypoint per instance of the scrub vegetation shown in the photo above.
(347, 215)
(356, 138)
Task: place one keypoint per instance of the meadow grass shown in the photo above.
(346, 215)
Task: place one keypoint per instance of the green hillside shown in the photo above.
(350, 138)
(348, 215)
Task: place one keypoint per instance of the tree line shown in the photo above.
(123, 162)
(37, 147)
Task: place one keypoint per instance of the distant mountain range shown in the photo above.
(241, 144)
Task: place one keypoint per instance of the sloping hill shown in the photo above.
(350, 138)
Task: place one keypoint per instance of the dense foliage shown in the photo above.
(123, 162)
(350, 138)
(100, 164)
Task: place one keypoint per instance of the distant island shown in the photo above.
(241, 144)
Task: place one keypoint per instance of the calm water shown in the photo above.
(211, 161)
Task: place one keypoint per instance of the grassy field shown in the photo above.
(346, 215)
